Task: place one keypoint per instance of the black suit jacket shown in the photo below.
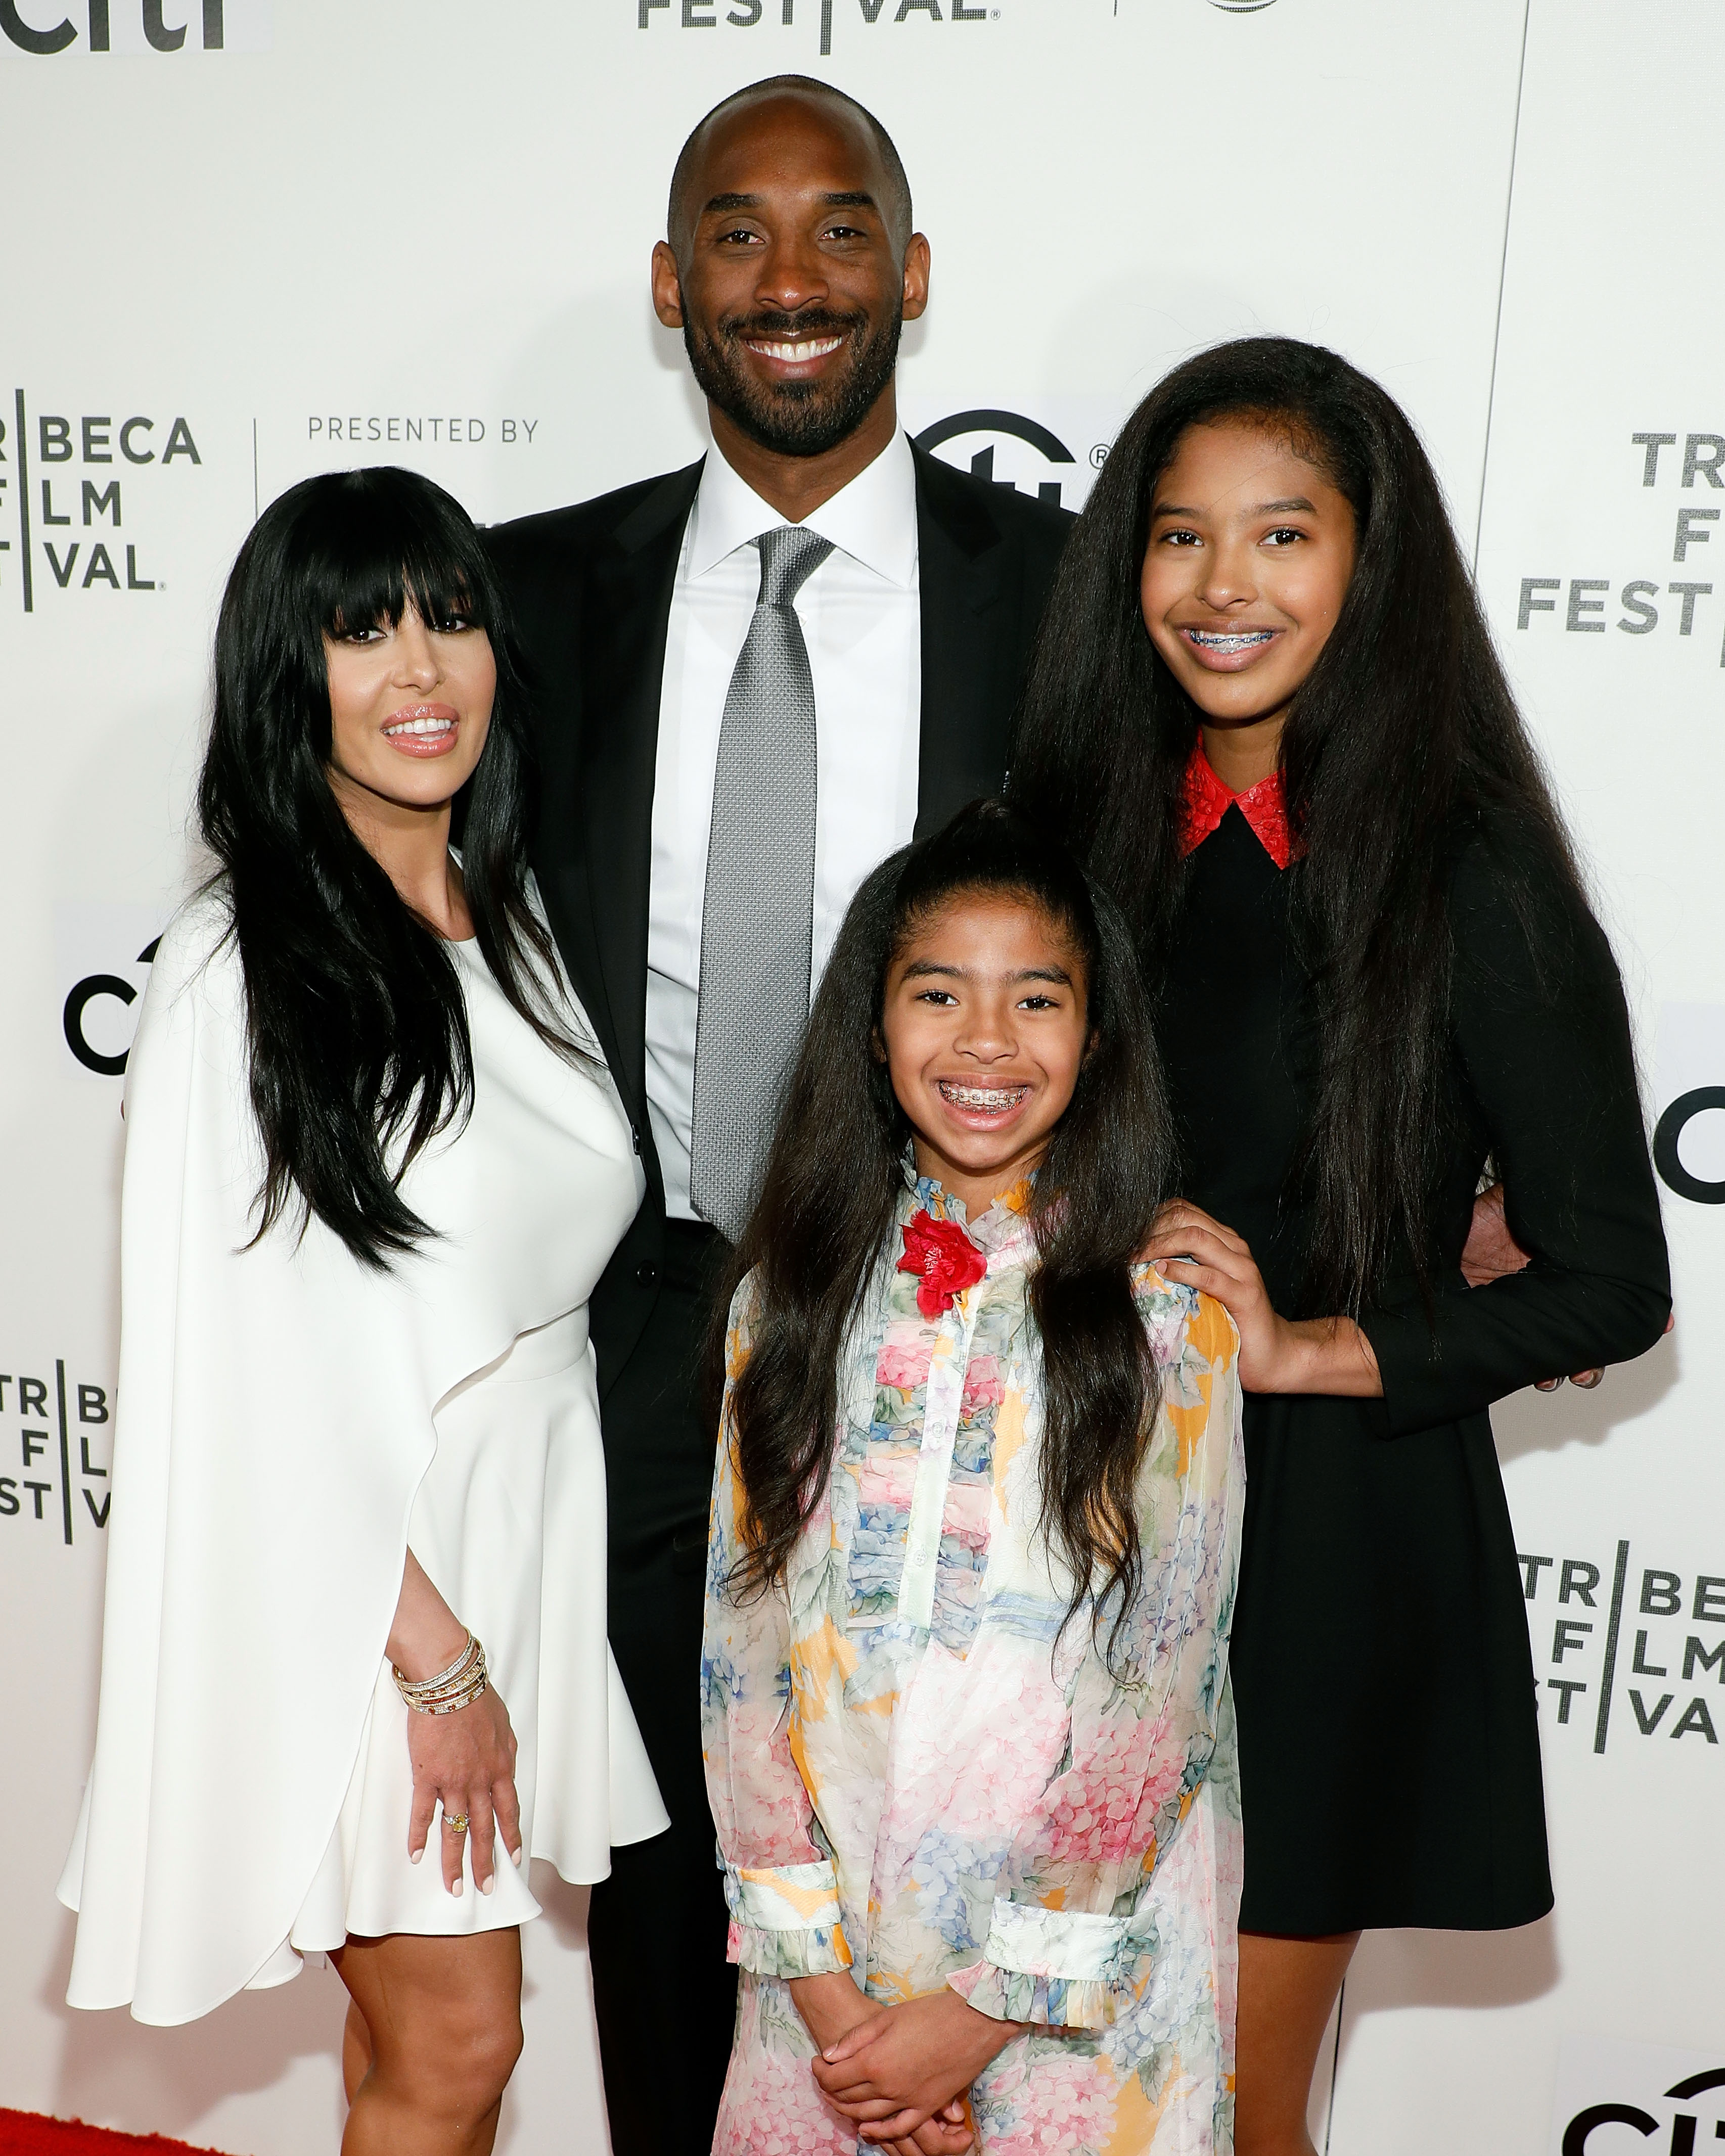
(590, 591)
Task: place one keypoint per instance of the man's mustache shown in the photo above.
(812, 321)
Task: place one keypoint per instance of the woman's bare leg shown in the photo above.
(1287, 1989)
(441, 2033)
(356, 2050)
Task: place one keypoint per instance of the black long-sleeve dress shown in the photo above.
(1388, 1745)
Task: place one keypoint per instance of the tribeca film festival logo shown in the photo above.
(58, 1429)
(748, 14)
(1671, 466)
(1649, 1639)
(75, 484)
(133, 26)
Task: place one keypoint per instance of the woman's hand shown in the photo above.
(1492, 1253)
(1276, 1354)
(905, 2072)
(466, 1762)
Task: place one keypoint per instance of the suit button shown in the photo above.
(648, 1276)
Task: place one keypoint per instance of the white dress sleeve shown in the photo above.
(274, 1420)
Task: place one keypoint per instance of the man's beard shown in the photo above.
(796, 418)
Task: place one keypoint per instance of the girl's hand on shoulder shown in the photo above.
(1276, 1354)
(907, 2071)
(1188, 1246)
(466, 1762)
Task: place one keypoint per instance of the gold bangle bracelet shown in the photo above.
(442, 1676)
(458, 1686)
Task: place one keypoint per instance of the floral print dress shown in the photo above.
(919, 1774)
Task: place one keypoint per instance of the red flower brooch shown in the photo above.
(947, 1260)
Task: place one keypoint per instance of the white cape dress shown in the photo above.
(284, 1414)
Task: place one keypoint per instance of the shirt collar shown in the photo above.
(1207, 801)
(873, 519)
(1006, 1224)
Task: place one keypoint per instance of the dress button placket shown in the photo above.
(942, 1401)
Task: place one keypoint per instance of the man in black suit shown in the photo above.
(699, 843)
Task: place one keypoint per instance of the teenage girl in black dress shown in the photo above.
(1267, 712)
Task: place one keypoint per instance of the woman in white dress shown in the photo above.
(374, 1167)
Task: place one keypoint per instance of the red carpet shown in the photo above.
(25, 2133)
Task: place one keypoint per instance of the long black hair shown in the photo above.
(836, 1171)
(1402, 743)
(357, 1027)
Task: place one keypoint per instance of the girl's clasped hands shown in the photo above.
(901, 2072)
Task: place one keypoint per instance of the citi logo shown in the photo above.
(96, 987)
(123, 26)
(1578, 2134)
(1242, 7)
(1700, 1190)
(994, 431)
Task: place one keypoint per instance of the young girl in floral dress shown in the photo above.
(968, 1735)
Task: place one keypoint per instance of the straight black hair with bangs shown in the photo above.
(836, 1173)
(356, 1025)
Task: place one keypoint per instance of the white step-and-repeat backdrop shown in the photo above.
(242, 243)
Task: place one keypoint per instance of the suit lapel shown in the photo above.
(965, 583)
(623, 664)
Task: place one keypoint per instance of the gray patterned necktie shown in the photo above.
(757, 918)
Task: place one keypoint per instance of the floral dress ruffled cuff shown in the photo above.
(786, 1921)
(1065, 1969)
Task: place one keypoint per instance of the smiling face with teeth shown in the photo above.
(410, 706)
(1250, 551)
(790, 269)
(983, 1031)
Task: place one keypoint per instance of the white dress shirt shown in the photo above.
(861, 620)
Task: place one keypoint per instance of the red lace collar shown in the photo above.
(1207, 801)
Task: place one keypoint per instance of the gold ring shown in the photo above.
(457, 1822)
